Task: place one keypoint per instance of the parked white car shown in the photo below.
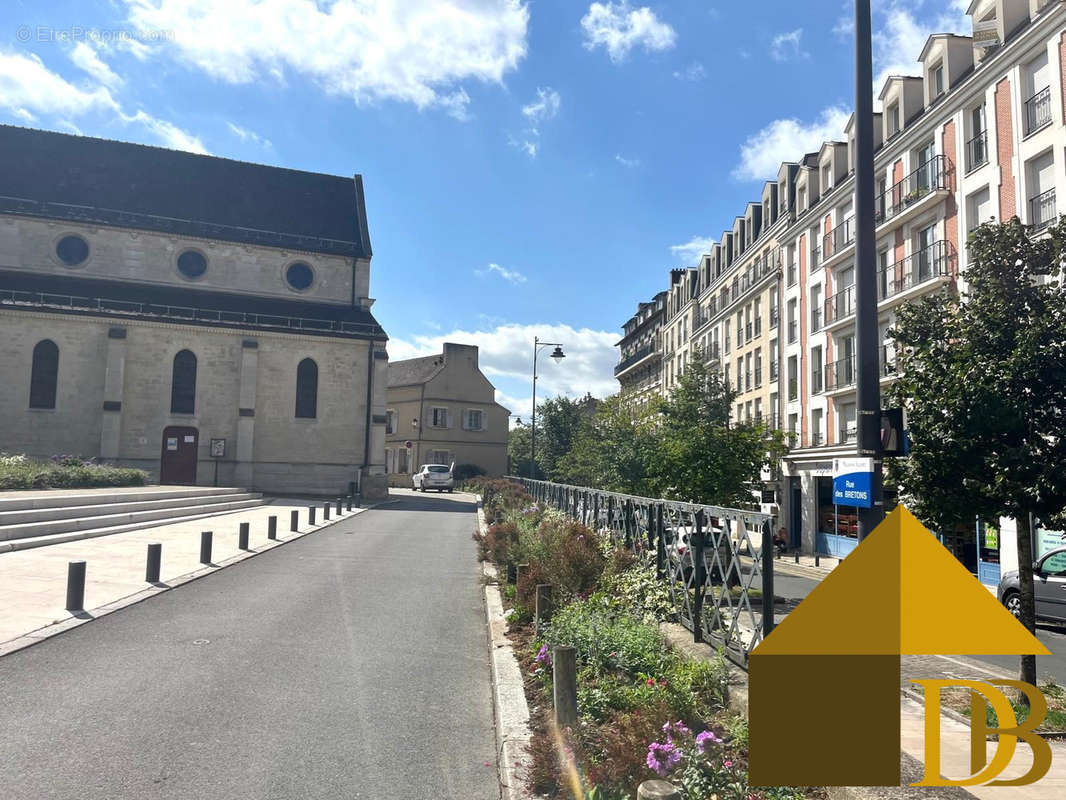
(434, 476)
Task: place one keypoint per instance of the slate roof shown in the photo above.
(80, 178)
(414, 371)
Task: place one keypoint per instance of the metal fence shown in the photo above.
(717, 563)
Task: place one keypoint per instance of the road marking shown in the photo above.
(971, 666)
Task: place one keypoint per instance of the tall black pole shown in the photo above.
(533, 429)
(868, 423)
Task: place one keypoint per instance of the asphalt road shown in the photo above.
(1053, 637)
(351, 663)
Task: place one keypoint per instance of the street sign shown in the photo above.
(853, 481)
(408, 444)
(218, 448)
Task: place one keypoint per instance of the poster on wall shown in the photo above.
(1046, 540)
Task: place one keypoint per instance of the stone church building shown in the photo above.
(183, 313)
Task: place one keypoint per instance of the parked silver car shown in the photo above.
(1049, 587)
(434, 476)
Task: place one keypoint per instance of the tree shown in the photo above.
(704, 458)
(983, 383)
(558, 421)
(518, 452)
(614, 449)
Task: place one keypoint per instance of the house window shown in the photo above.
(44, 374)
(978, 209)
(403, 467)
(793, 378)
(892, 117)
(300, 276)
(307, 389)
(827, 177)
(475, 420)
(183, 384)
(816, 370)
(440, 457)
(816, 427)
(938, 80)
(439, 418)
(72, 250)
(192, 264)
(390, 422)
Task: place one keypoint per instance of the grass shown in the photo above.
(63, 472)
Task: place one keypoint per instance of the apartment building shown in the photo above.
(978, 135)
(640, 370)
(681, 301)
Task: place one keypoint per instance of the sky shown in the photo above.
(531, 167)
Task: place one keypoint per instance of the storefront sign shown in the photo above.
(853, 482)
(1046, 541)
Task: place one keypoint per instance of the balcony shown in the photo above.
(775, 317)
(817, 438)
(1038, 111)
(838, 239)
(1042, 210)
(816, 258)
(977, 151)
(840, 374)
(840, 306)
(918, 268)
(638, 356)
(712, 353)
(928, 179)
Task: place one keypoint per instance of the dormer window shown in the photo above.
(893, 119)
(938, 79)
(827, 177)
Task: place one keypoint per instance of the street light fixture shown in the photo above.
(557, 355)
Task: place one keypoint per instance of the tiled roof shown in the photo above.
(57, 175)
(414, 371)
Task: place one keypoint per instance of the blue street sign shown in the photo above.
(853, 482)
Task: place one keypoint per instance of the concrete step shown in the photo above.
(58, 498)
(155, 515)
(148, 503)
(72, 536)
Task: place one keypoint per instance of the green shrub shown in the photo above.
(605, 640)
(464, 472)
(64, 472)
(630, 584)
(563, 553)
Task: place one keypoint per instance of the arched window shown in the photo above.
(307, 389)
(183, 384)
(44, 374)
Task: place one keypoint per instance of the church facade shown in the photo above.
(188, 315)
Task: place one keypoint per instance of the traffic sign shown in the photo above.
(853, 482)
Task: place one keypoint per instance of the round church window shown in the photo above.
(300, 276)
(192, 264)
(72, 250)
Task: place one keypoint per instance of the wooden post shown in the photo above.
(564, 681)
(543, 608)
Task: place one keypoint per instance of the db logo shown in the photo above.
(1009, 733)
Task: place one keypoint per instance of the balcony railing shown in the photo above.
(977, 151)
(840, 305)
(626, 363)
(758, 377)
(929, 177)
(712, 352)
(1038, 110)
(749, 329)
(792, 331)
(791, 275)
(931, 262)
(837, 239)
(816, 258)
(816, 319)
(817, 439)
(773, 371)
(775, 317)
(816, 380)
(758, 326)
(840, 374)
(1042, 210)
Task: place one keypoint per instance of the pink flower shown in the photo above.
(727, 763)
(651, 681)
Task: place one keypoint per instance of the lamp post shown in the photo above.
(557, 354)
(868, 405)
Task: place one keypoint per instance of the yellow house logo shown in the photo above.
(899, 593)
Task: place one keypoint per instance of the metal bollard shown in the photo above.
(325, 512)
(543, 608)
(797, 554)
(564, 680)
(816, 559)
(272, 527)
(311, 515)
(205, 546)
(294, 521)
(340, 504)
(155, 560)
(76, 586)
(349, 502)
(242, 537)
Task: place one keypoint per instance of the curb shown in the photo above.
(47, 632)
(510, 709)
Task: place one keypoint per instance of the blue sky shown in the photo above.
(531, 167)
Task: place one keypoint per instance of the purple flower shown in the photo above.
(662, 756)
(543, 656)
(678, 727)
(702, 740)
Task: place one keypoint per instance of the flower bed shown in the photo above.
(18, 471)
(645, 711)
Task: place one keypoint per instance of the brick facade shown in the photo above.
(1005, 151)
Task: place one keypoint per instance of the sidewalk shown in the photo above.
(33, 582)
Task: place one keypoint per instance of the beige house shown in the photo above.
(441, 409)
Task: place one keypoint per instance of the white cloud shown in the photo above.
(782, 140)
(618, 28)
(788, 46)
(690, 251)
(88, 61)
(628, 163)
(545, 107)
(28, 89)
(528, 145)
(693, 72)
(246, 135)
(509, 275)
(416, 51)
(506, 358)
(27, 86)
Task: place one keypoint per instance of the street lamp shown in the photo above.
(557, 354)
